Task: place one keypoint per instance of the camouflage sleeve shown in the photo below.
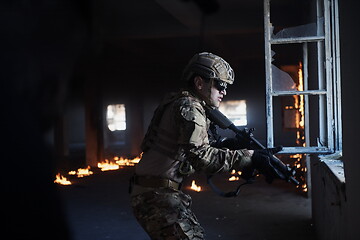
(212, 160)
(194, 139)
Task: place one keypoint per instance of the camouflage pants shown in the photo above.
(165, 213)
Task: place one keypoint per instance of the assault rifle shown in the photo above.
(281, 170)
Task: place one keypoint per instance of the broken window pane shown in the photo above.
(306, 30)
(282, 81)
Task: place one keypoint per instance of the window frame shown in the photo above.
(328, 66)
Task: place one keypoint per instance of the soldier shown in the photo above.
(177, 144)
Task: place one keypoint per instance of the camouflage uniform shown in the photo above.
(176, 145)
(165, 213)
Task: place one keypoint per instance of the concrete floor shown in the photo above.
(97, 208)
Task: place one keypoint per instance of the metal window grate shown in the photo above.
(324, 35)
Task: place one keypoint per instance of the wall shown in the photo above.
(335, 204)
(350, 62)
(329, 205)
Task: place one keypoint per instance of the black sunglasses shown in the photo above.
(220, 85)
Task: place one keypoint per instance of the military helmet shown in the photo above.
(210, 66)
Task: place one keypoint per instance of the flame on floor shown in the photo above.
(235, 175)
(234, 178)
(127, 162)
(195, 187)
(118, 162)
(61, 180)
(107, 165)
(81, 172)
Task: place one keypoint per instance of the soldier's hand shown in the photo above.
(232, 144)
(261, 160)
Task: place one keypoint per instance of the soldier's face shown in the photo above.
(216, 94)
(210, 91)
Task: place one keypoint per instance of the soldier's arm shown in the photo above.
(212, 160)
(194, 139)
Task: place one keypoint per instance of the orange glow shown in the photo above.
(235, 175)
(61, 180)
(127, 162)
(304, 187)
(298, 155)
(81, 172)
(118, 162)
(299, 105)
(107, 166)
(300, 87)
(234, 178)
(195, 187)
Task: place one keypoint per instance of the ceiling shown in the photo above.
(178, 24)
(154, 39)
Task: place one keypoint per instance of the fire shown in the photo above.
(195, 187)
(300, 105)
(106, 165)
(61, 180)
(81, 172)
(233, 178)
(304, 187)
(127, 162)
(118, 162)
(235, 175)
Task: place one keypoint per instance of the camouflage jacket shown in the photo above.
(178, 134)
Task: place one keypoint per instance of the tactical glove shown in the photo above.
(232, 143)
(264, 162)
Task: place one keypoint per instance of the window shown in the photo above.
(116, 117)
(313, 99)
(235, 111)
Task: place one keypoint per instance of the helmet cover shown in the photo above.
(209, 66)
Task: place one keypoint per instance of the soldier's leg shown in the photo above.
(166, 214)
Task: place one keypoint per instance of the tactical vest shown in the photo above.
(161, 138)
(165, 136)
